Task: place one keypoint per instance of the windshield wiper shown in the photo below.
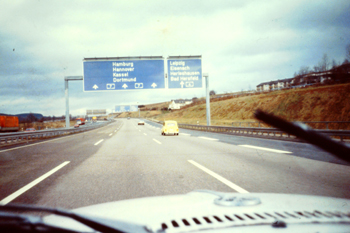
(25, 223)
(340, 150)
(32, 222)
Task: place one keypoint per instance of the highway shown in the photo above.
(124, 160)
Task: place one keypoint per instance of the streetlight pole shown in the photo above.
(66, 79)
(207, 99)
(138, 108)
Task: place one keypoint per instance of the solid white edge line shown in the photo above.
(218, 177)
(212, 139)
(98, 142)
(31, 184)
(157, 141)
(267, 149)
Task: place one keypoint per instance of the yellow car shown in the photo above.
(170, 127)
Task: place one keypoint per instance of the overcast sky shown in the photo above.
(242, 43)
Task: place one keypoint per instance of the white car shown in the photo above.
(141, 123)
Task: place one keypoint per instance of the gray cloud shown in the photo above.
(243, 43)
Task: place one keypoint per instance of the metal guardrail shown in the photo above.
(262, 132)
(259, 132)
(259, 124)
(15, 137)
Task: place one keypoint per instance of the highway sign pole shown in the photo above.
(207, 99)
(66, 79)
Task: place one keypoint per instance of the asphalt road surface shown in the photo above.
(123, 160)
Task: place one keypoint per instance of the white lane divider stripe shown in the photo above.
(267, 149)
(186, 134)
(32, 184)
(218, 177)
(110, 134)
(98, 142)
(157, 141)
(145, 134)
(212, 139)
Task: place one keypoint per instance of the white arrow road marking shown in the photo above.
(32, 184)
(267, 149)
(218, 177)
(98, 142)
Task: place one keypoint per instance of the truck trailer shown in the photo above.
(9, 123)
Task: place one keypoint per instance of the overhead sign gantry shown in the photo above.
(137, 73)
(123, 73)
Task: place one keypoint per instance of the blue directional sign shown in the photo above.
(134, 108)
(184, 73)
(111, 75)
(126, 108)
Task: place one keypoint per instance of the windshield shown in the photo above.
(82, 75)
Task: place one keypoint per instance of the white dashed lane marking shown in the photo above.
(267, 149)
(157, 141)
(218, 177)
(98, 142)
(32, 184)
(212, 139)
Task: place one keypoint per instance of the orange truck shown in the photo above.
(9, 123)
(80, 121)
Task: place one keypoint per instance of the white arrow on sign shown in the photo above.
(182, 84)
(125, 86)
(95, 87)
(154, 85)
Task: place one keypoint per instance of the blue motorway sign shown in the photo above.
(110, 75)
(126, 108)
(184, 73)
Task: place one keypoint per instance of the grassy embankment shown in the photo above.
(324, 103)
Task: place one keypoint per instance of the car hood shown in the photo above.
(208, 210)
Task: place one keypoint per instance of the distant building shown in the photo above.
(339, 74)
(177, 104)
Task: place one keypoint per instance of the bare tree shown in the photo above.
(317, 68)
(334, 63)
(324, 63)
(304, 70)
(347, 52)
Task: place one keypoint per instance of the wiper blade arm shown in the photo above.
(311, 136)
(25, 223)
(106, 226)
